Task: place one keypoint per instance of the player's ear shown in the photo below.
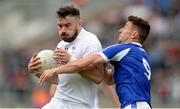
(134, 34)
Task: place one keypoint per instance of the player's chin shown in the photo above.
(65, 39)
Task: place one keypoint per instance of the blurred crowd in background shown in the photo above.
(28, 26)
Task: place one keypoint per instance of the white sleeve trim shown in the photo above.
(104, 57)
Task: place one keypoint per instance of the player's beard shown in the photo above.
(71, 38)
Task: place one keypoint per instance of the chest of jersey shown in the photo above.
(75, 50)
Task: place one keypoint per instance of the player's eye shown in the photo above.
(60, 26)
(68, 25)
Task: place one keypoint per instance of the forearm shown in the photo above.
(52, 90)
(73, 67)
(77, 65)
(68, 68)
(94, 74)
(110, 92)
(108, 77)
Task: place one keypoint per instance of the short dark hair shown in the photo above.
(68, 11)
(142, 25)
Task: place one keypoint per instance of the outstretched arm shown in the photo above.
(74, 66)
(94, 74)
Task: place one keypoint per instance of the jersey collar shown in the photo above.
(136, 43)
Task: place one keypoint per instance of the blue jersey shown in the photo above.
(131, 72)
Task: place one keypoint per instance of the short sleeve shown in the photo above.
(115, 52)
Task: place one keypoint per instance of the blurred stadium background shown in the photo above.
(28, 26)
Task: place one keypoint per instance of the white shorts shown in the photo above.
(138, 105)
(57, 103)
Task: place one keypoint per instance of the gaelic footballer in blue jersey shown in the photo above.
(131, 67)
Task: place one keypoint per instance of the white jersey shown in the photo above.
(73, 87)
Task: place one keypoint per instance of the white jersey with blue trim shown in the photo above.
(131, 72)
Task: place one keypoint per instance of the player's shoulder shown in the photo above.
(119, 46)
(89, 35)
(90, 38)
